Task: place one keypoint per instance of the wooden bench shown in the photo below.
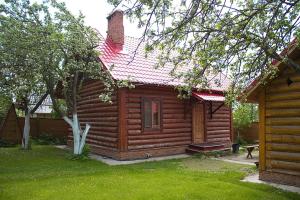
(250, 148)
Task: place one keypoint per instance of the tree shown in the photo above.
(5, 102)
(243, 115)
(19, 77)
(66, 55)
(237, 37)
(75, 60)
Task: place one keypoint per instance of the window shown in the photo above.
(151, 113)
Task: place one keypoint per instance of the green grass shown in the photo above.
(46, 173)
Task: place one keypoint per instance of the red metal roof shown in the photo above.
(124, 64)
(208, 96)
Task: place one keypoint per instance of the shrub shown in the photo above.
(4, 143)
(48, 139)
(84, 155)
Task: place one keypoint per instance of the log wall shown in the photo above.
(282, 124)
(103, 118)
(176, 120)
(218, 126)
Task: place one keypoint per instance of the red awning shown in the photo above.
(208, 97)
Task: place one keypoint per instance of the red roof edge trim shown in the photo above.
(208, 96)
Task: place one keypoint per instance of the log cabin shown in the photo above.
(150, 120)
(279, 121)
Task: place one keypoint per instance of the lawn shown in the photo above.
(47, 173)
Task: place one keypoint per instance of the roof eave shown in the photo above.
(252, 92)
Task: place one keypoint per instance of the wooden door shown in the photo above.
(198, 123)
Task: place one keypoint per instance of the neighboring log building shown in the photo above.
(150, 120)
(279, 122)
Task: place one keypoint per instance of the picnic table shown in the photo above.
(250, 148)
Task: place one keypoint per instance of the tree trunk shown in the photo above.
(79, 136)
(26, 130)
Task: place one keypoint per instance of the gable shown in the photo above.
(253, 90)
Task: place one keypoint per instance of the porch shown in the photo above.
(211, 123)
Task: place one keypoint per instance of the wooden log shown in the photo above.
(99, 106)
(172, 111)
(283, 129)
(100, 143)
(177, 130)
(218, 128)
(157, 145)
(218, 136)
(133, 105)
(134, 110)
(283, 96)
(158, 136)
(99, 119)
(283, 138)
(177, 120)
(284, 171)
(102, 138)
(106, 129)
(283, 121)
(133, 132)
(217, 124)
(278, 164)
(283, 147)
(99, 109)
(176, 116)
(134, 121)
(97, 114)
(102, 147)
(218, 132)
(287, 112)
(284, 88)
(177, 125)
(134, 126)
(159, 140)
(134, 100)
(99, 124)
(283, 104)
(134, 116)
(102, 133)
(221, 140)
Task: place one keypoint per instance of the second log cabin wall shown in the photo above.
(218, 125)
(280, 129)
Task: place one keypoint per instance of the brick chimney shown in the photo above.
(115, 30)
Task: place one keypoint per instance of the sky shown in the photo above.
(96, 12)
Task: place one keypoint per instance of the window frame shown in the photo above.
(151, 99)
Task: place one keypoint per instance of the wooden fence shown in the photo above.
(54, 127)
(249, 134)
(11, 127)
